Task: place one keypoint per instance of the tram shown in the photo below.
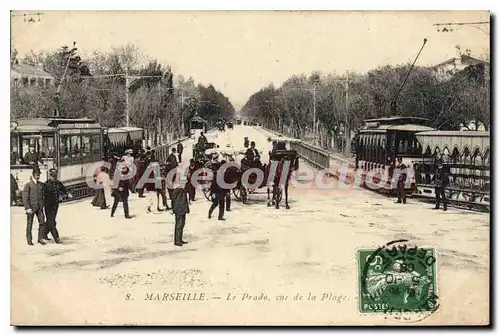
(117, 140)
(466, 156)
(380, 142)
(72, 146)
(197, 125)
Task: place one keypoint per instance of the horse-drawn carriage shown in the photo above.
(274, 175)
(199, 152)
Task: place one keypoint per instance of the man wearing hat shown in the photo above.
(32, 157)
(53, 191)
(180, 149)
(172, 159)
(33, 200)
(441, 180)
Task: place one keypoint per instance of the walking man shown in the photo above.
(180, 148)
(401, 170)
(217, 194)
(33, 204)
(121, 194)
(441, 180)
(191, 188)
(53, 191)
(180, 208)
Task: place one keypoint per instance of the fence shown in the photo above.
(315, 156)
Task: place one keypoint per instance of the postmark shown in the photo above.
(398, 279)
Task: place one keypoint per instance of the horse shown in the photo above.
(277, 193)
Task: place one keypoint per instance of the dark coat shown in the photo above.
(53, 190)
(125, 192)
(33, 196)
(180, 148)
(32, 158)
(171, 158)
(180, 203)
(441, 177)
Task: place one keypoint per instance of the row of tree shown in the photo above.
(158, 100)
(342, 103)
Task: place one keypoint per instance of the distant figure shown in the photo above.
(33, 204)
(101, 179)
(172, 159)
(180, 208)
(191, 188)
(246, 142)
(180, 149)
(202, 140)
(217, 194)
(400, 188)
(441, 180)
(32, 157)
(14, 157)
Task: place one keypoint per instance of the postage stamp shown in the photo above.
(397, 278)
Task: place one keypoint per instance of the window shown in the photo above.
(47, 150)
(85, 148)
(65, 146)
(25, 82)
(32, 81)
(95, 144)
(75, 146)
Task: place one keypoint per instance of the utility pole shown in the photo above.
(346, 128)
(314, 113)
(127, 99)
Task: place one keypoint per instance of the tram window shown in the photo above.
(47, 146)
(75, 146)
(85, 148)
(95, 143)
(14, 151)
(65, 146)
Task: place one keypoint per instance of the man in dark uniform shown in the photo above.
(53, 191)
(441, 180)
(121, 193)
(180, 148)
(400, 188)
(33, 204)
(171, 158)
(217, 193)
(191, 188)
(180, 208)
(32, 157)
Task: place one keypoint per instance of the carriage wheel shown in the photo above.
(237, 193)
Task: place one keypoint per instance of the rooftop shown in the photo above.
(29, 71)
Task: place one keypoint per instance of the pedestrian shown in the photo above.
(103, 182)
(121, 194)
(191, 188)
(14, 188)
(33, 204)
(400, 188)
(217, 194)
(180, 208)
(53, 192)
(441, 180)
(171, 158)
(180, 148)
(162, 190)
(231, 175)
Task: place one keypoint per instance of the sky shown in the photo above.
(240, 52)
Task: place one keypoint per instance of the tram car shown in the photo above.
(72, 146)
(380, 142)
(117, 140)
(466, 157)
(197, 125)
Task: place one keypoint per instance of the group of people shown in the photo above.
(42, 200)
(441, 180)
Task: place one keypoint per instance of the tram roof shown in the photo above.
(198, 118)
(449, 140)
(395, 120)
(46, 124)
(403, 127)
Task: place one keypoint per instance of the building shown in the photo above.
(448, 68)
(27, 75)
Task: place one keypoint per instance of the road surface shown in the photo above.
(109, 270)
